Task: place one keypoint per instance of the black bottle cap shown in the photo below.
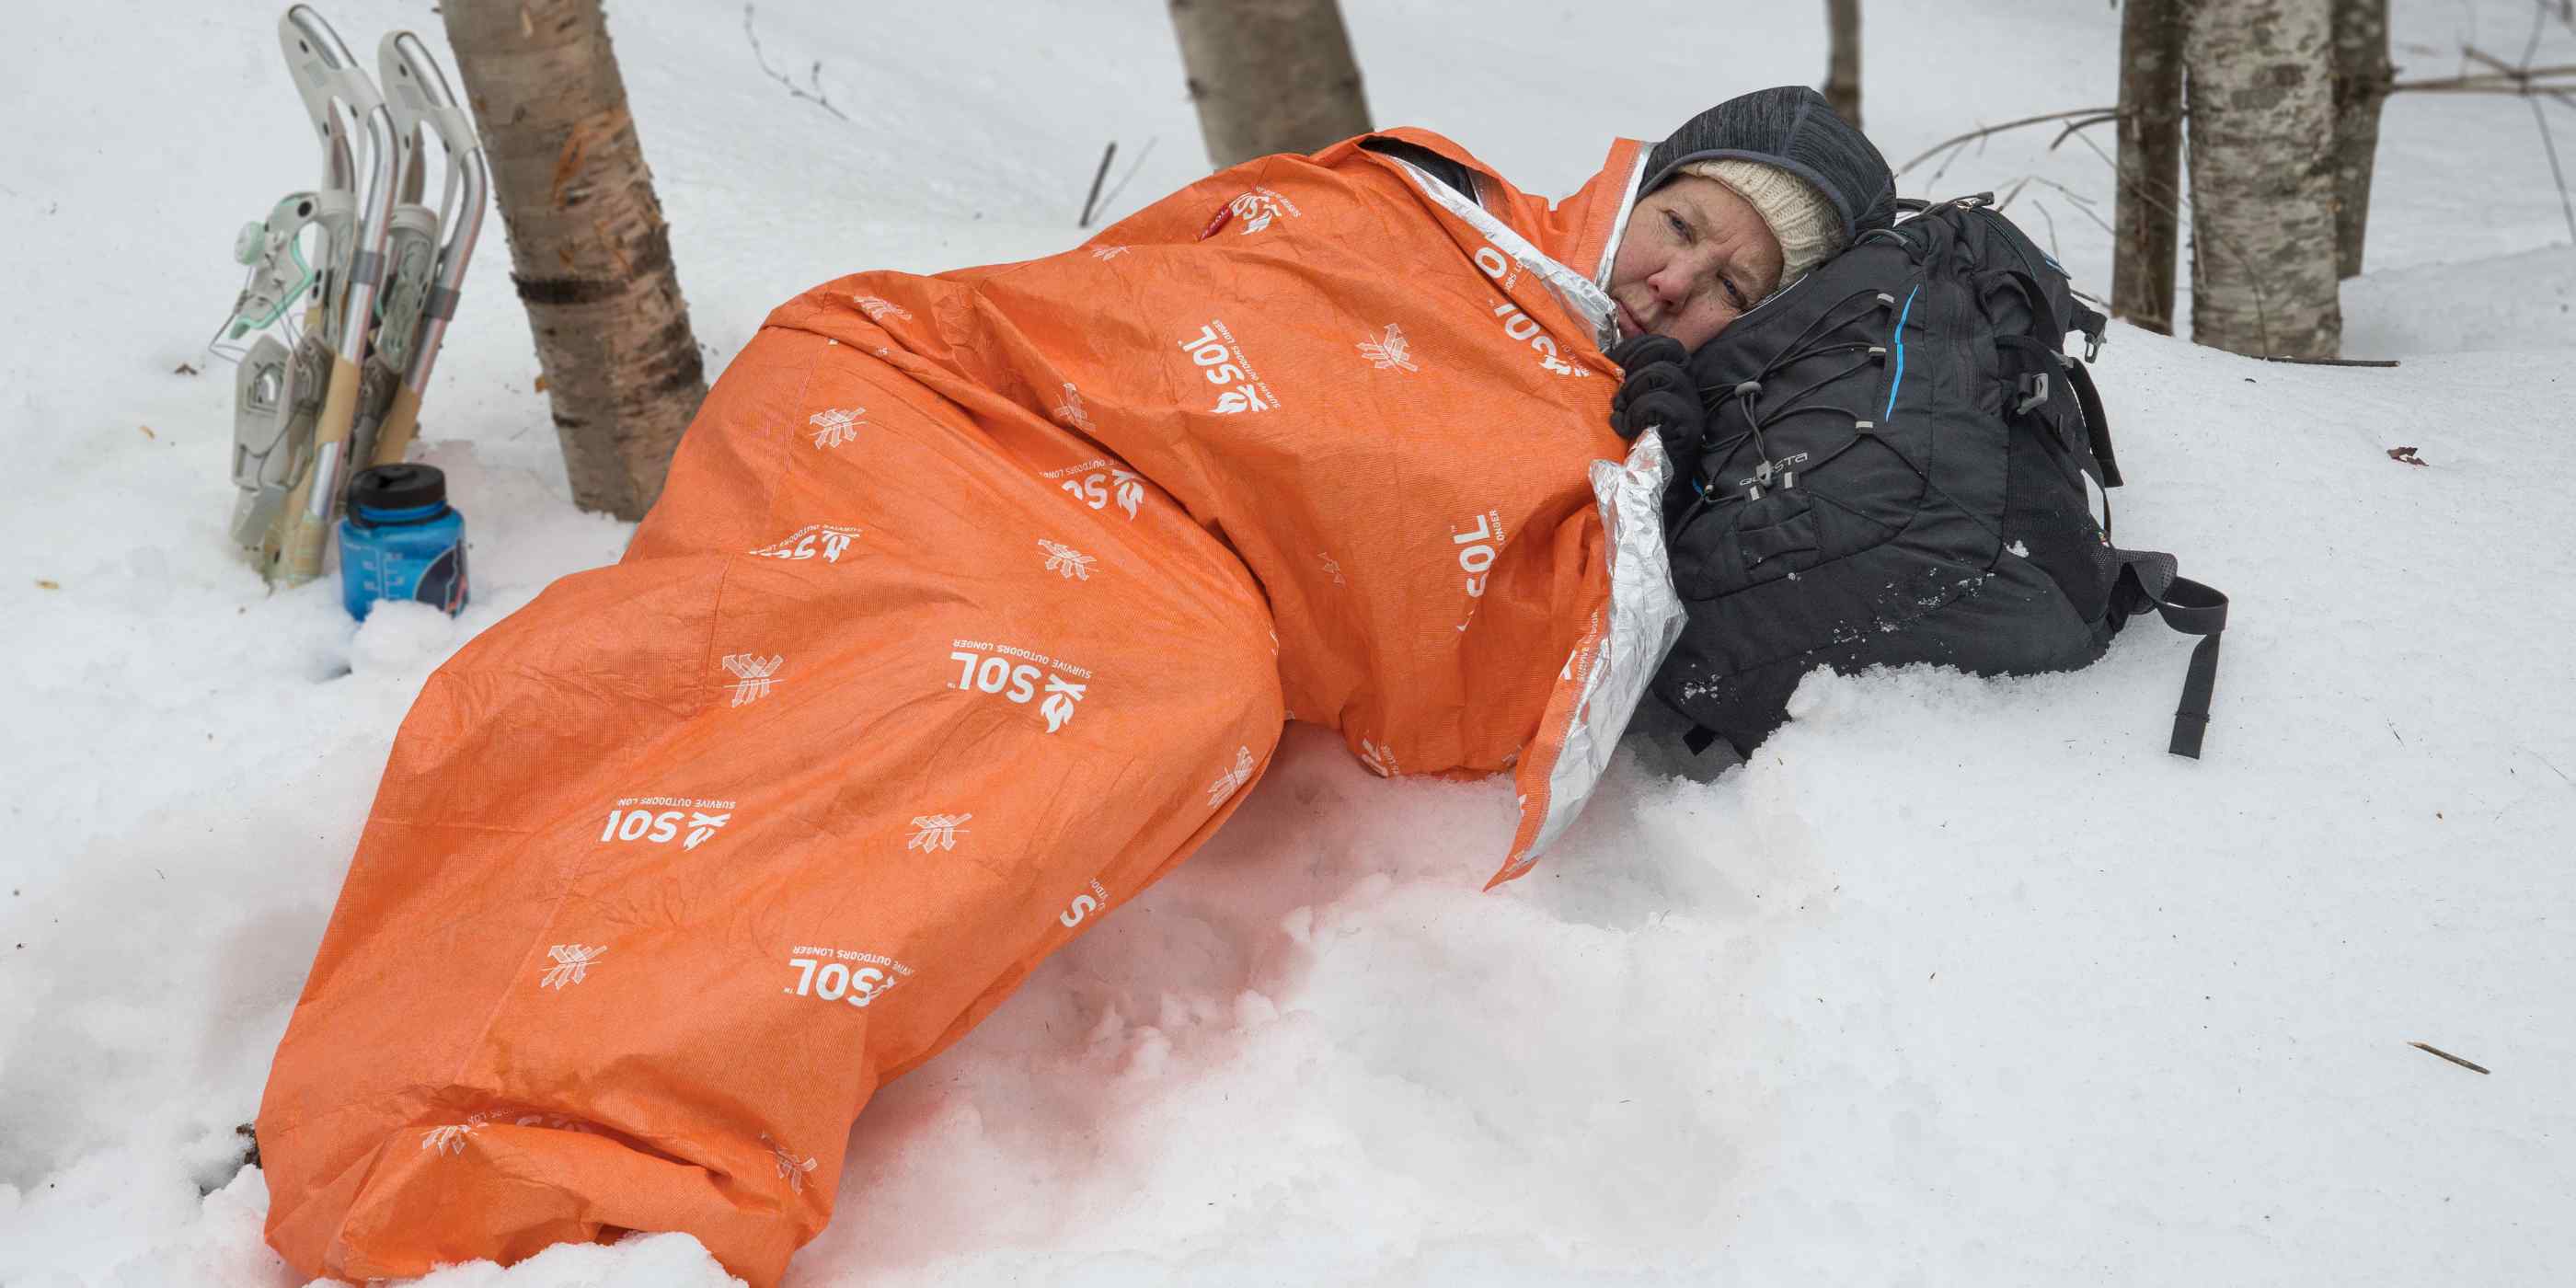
(397, 487)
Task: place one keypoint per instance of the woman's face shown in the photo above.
(1694, 256)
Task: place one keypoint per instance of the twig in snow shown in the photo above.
(2332, 362)
(2427, 1047)
(1096, 176)
(1132, 168)
(813, 77)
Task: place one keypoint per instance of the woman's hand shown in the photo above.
(1660, 394)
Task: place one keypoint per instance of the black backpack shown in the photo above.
(1894, 471)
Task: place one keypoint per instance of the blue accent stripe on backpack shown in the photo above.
(1894, 385)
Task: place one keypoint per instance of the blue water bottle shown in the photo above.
(400, 541)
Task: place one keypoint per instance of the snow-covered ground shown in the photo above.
(1955, 981)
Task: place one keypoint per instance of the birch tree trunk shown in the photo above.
(2261, 100)
(1269, 75)
(2362, 77)
(2148, 212)
(1842, 64)
(589, 253)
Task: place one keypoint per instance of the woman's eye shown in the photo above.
(1680, 229)
(1733, 295)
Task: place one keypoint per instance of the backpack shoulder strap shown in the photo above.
(2149, 577)
(2097, 423)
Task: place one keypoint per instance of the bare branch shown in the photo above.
(813, 77)
(2073, 129)
(1975, 135)
(2509, 80)
(2082, 202)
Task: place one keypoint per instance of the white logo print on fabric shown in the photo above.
(790, 1169)
(1520, 325)
(989, 668)
(1070, 410)
(837, 426)
(1227, 782)
(1095, 481)
(1260, 206)
(850, 976)
(1107, 253)
(451, 1138)
(825, 539)
(1058, 707)
(1067, 562)
(1331, 567)
(645, 819)
(572, 965)
(1393, 350)
(554, 1122)
(1379, 760)
(1477, 551)
(753, 675)
(877, 309)
(1084, 905)
(933, 832)
(1220, 358)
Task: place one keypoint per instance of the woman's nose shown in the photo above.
(1672, 282)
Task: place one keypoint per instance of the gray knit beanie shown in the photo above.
(1808, 227)
(1787, 128)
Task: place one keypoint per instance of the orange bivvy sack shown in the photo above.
(972, 605)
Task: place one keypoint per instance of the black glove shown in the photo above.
(1659, 392)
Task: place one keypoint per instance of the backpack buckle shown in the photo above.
(2034, 391)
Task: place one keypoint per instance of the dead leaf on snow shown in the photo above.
(2406, 454)
(42, 584)
(147, 431)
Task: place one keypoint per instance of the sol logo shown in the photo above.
(1517, 324)
(814, 539)
(841, 975)
(1084, 905)
(989, 668)
(1477, 549)
(1260, 206)
(1221, 360)
(662, 826)
(1094, 482)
